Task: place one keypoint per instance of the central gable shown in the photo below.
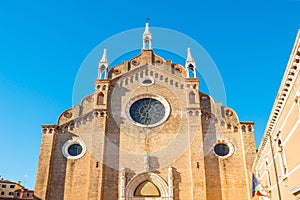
(146, 57)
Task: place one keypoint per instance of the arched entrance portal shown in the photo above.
(147, 186)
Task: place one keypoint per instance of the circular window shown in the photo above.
(135, 63)
(223, 149)
(117, 71)
(158, 62)
(74, 149)
(147, 81)
(148, 110)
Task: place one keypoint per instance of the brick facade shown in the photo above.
(181, 158)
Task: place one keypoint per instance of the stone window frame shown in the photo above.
(145, 78)
(143, 96)
(226, 142)
(71, 142)
(192, 97)
(100, 99)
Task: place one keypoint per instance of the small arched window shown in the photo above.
(236, 129)
(228, 126)
(243, 128)
(192, 97)
(100, 99)
(249, 128)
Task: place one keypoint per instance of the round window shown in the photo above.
(74, 149)
(223, 149)
(147, 110)
(147, 81)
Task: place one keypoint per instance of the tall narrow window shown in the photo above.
(282, 161)
(100, 99)
(268, 174)
(192, 97)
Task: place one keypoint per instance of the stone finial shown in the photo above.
(103, 66)
(189, 57)
(147, 38)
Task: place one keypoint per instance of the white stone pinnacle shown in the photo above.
(189, 57)
(104, 57)
(103, 66)
(147, 38)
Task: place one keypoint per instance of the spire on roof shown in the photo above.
(103, 66)
(190, 65)
(104, 57)
(189, 57)
(147, 38)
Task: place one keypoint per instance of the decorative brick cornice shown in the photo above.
(49, 128)
(89, 116)
(75, 123)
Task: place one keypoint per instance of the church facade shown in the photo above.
(146, 133)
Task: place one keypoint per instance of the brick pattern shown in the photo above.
(184, 142)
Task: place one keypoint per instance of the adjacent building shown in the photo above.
(147, 132)
(14, 191)
(7, 188)
(24, 194)
(277, 164)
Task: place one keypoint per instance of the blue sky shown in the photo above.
(42, 45)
